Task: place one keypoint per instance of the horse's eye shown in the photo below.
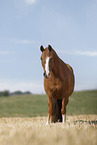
(41, 59)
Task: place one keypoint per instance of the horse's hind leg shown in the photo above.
(63, 110)
(57, 116)
(58, 110)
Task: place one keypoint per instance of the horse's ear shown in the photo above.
(41, 48)
(50, 48)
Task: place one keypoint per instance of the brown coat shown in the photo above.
(59, 86)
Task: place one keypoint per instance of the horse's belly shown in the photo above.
(57, 94)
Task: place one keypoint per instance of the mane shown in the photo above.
(55, 54)
(57, 57)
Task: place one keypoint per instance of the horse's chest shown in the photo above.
(54, 88)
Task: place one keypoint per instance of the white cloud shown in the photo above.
(84, 53)
(23, 41)
(30, 1)
(87, 53)
(14, 85)
(6, 52)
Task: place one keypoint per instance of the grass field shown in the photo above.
(19, 126)
(80, 103)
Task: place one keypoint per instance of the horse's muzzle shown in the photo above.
(45, 75)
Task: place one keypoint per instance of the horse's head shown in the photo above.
(47, 60)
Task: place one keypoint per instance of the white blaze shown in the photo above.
(47, 66)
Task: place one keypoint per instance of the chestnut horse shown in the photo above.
(58, 84)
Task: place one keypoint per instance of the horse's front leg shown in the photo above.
(48, 119)
(51, 109)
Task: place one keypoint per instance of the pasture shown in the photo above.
(78, 130)
(80, 103)
(23, 121)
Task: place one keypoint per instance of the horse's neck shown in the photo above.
(56, 65)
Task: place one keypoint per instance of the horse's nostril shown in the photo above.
(46, 75)
(49, 74)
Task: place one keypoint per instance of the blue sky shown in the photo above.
(70, 27)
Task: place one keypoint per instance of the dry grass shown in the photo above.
(78, 130)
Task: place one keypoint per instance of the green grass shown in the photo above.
(23, 105)
(84, 102)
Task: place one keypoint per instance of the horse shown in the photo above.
(58, 84)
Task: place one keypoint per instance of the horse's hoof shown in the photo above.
(47, 123)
